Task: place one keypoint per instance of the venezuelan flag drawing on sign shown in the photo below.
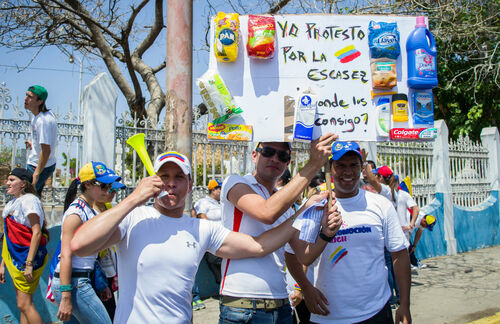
(16, 245)
(347, 54)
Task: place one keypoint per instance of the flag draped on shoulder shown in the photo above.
(406, 185)
(16, 245)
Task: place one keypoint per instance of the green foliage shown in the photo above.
(72, 165)
(199, 173)
(5, 155)
(467, 37)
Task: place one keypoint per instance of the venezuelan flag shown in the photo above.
(16, 245)
(406, 185)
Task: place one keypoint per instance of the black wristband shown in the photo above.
(326, 238)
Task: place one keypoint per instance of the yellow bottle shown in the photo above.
(400, 107)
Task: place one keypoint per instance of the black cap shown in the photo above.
(22, 174)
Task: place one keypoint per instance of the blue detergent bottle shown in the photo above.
(421, 53)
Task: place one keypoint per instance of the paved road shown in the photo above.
(452, 289)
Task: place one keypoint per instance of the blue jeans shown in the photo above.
(196, 292)
(230, 315)
(43, 176)
(87, 307)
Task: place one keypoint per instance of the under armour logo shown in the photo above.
(191, 244)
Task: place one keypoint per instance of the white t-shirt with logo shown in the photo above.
(158, 257)
(252, 277)
(209, 207)
(43, 131)
(351, 270)
(20, 208)
(80, 208)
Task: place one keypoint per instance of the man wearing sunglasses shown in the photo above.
(160, 247)
(256, 288)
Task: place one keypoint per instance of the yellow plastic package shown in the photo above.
(226, 36)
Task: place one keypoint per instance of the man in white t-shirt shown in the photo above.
(351, 275)
(209, 206)
(42, 157)
(159, 247)
(255, 290)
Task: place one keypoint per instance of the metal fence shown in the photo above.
(468, 161)
(469, 172)
(413, 159)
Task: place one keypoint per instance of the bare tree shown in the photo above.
(103, 29)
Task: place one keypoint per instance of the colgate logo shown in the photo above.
(406, 132)
(413, 133)
(217, 128)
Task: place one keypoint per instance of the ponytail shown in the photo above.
(392, 182)
(72, 191)
(71, 194)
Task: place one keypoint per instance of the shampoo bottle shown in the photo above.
(384, 115)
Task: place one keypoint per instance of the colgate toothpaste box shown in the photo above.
(413, 133)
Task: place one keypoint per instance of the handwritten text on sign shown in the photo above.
(326, 54)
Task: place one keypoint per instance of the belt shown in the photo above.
(78, 274)
(253, 302)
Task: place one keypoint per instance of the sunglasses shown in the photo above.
(112, 190)
(104, 186)
(266, 151)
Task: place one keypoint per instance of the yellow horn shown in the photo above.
(138, 144)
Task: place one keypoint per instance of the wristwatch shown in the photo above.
(326, 238)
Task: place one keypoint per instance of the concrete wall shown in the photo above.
(477, 227)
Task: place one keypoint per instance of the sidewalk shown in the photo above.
(451, 289)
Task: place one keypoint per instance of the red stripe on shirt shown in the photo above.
(237, 216)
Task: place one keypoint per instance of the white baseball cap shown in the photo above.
(181, 160)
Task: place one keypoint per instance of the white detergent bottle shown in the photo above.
(384, 117)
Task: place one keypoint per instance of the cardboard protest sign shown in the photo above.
(322, 62)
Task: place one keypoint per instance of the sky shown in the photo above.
(53, 69)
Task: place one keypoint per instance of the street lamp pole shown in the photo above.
(72, 60)
(80, 90)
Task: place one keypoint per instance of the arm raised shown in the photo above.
(102, 230)
(245, 199)
(239, 245)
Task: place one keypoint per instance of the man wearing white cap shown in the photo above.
(160, 248)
